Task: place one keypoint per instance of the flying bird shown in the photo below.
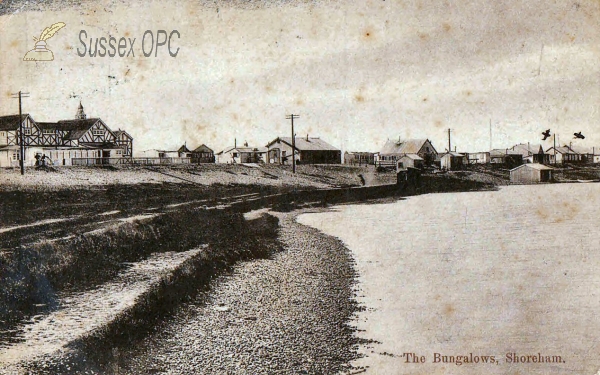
(546, 134)
(579, 135)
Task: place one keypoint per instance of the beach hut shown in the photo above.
(531, 173)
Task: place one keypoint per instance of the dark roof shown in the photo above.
(10, 122)
(183, 148)
(47, 125)
(203, 148)
(307, 144)
(76, 128)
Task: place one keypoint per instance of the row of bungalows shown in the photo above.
(534, 154)
(281, 150)
(80, 141)
(183, 155)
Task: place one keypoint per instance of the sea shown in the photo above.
(491, 282)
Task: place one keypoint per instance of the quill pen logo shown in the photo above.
(41, 51)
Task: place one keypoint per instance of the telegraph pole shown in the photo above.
(554, 149)
(292, 117)
(21, 140)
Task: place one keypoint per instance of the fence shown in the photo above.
(129, 161)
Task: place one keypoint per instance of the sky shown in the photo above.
(357, 73)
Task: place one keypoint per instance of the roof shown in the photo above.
(562, 149)
(202, 148)
(10, 122)
(452, 153)
(540, 167)
(183, 148)
(76, 128)
(503, 152)
(120, 132)
(306, 143)
(528, 149)
(408, 146)
(244, 149)
(47, 125)
(413, 156)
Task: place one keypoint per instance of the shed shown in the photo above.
(531, 173)
(410, 161)
(452, 161)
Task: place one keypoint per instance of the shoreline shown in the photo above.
(291, 204)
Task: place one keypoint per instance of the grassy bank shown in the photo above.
(33, 274)
(251, 239)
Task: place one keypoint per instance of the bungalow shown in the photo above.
(532, 153)
(359, 158)
(235, 155)
(203, 154)
(506, 157)
(531, 173)
(392, 151)
(477, 157)
(184, 152)
(565, 155)
(309, 150)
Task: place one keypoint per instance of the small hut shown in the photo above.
(531, 173)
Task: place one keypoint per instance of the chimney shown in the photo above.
(307, 138)
(235, 143)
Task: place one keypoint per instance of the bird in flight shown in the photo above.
(579, 135)
(546, 134)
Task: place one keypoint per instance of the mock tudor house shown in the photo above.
(66, 142)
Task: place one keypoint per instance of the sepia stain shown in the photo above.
(299, 102)
(359, 98)
(15, 43)
(468, 93)
(127, 33)
(446, 26)
(368, 34)
(268, 89)
(449, 309)
(235, 116)
(438, 123)
(425, 99)
(423, 36)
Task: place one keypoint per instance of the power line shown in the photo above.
(21, 140)
(292, 117)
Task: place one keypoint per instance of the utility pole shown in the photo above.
(292, 117)
(21, 140)
(554, 149)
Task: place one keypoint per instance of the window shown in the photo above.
(15, 155)
(48, 131)
(119, 152)
(27, 131)
(235, 154)
(97, 132)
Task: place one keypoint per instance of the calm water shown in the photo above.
(487, 273)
